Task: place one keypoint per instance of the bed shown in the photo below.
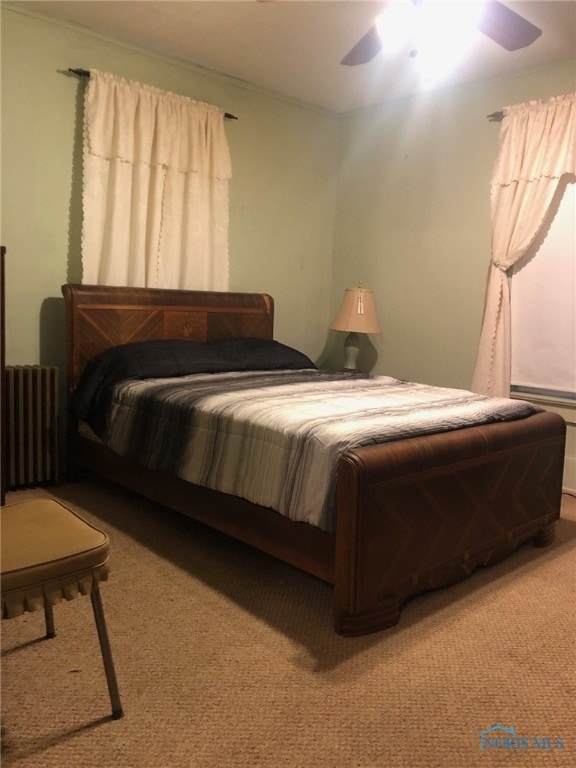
(411, 514)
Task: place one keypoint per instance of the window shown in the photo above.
(543, 308)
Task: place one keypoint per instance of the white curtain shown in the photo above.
(155, 188)
(537, 148)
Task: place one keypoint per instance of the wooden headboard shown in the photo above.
(100, 317)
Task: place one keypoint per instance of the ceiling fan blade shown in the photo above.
(365, 49)
(498, 22)
(506, 27)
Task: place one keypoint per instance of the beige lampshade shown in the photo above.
(357, 312)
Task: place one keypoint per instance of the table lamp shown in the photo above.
(357, 314)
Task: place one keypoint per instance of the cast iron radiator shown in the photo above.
(31, 392)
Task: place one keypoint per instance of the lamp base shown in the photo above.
(351, 350)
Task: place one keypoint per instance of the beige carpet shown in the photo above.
(226, 657)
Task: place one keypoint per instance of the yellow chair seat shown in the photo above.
(50, 554)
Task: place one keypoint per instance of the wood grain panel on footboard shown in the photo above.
(426, 512)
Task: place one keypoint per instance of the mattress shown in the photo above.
(274, 437)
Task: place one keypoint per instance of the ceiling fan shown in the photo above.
(498, 22)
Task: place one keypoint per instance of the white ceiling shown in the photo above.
(294, 47)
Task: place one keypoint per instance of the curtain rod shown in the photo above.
(496, 117)
(86, 73)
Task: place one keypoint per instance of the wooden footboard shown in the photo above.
(424, 513)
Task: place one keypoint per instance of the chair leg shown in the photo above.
(49, 618)
(117, 711)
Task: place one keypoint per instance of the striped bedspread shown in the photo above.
(274, 437)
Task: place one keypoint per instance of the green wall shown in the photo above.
(396, 197)
(282, 194)
(413, 219)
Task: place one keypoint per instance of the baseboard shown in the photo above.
(569, 484)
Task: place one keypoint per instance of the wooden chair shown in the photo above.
(49, 553)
